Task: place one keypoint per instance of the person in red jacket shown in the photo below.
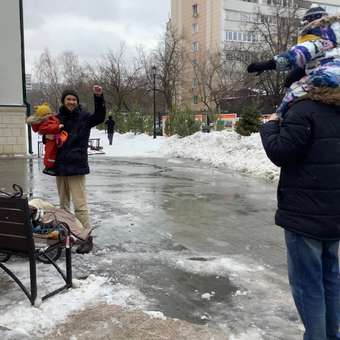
(45, 122)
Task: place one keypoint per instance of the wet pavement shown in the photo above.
(158, 222)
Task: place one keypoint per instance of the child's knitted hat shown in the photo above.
(314, 13)
(40, 113)
(42, 110)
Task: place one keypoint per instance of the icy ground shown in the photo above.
(175, 239)
(257, 293)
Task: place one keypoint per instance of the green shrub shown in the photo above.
(249, 122)
(181, 123)
(121, 125)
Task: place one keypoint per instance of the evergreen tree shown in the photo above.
(169, 125)
(121, 125)
(148, 124)
(135, 122)
(181, 123)
(249, 122)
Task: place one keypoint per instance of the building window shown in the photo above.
(246, 37)
(195, 10)
(237, 16)
(195, 99)
(267, 19)
(283, 3)
(195, 46)
(194, 28)
(194, 62)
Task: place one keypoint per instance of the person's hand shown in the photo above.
(50, 137)
(97, 90)
(261, 66)
(273, 117)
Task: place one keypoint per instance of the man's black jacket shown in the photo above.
(72, 156)
(307, 148)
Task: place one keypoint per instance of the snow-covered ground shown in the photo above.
(24, 321)
(226, 148)
(242, 154)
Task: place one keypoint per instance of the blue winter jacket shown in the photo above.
(307, 148)
(72, 156)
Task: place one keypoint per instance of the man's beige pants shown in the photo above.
(74, 187)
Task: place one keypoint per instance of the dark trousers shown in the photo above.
(110, 136)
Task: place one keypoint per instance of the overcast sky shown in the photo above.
(91, 27)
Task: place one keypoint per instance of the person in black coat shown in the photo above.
(306, 146)
(110, 127)
(71, 164)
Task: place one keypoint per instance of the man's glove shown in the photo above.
(261, 66)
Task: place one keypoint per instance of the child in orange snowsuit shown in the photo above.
(45, 122)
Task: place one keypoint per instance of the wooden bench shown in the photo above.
(16, 238)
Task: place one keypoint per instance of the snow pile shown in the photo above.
(55, 309)
(156, 315)
(242, 154)
(225, 148)
(224, 266)
(39, 320)
(130, 145)
(123, 145)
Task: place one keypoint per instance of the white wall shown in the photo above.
(11, 92)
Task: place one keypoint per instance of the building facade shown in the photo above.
(207, 25)
(12, 89)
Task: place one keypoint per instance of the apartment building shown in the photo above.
(207, 25)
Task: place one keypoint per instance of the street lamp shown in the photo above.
(154, 69)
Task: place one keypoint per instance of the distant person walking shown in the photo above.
(110, 127)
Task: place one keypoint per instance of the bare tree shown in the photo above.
(274, 30)
(71, 70)
(76, 76)
(169, 60)
(49, 78)
(215, 79)
(119, 78)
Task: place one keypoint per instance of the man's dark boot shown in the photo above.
(86, 246)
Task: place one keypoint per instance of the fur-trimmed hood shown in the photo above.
(326, 95)
(34, 119)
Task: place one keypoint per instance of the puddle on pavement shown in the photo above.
(178, 294)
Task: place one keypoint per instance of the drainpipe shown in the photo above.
(23, 70)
